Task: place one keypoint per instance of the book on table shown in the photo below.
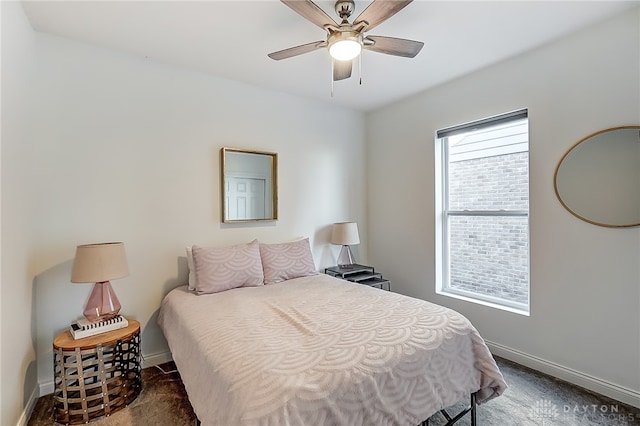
(85, 328)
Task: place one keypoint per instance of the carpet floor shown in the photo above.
(532, 399)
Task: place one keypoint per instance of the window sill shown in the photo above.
(472, 298)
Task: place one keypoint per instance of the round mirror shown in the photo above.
(598, 179)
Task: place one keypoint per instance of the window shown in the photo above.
(482, 206)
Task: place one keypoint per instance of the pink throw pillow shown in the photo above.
(224, 268)
(285, 261)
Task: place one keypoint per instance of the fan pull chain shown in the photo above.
(332, 66)
(360, 67)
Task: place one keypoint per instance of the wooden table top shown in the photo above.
(65, 340)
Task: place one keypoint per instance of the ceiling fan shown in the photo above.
(346, 40)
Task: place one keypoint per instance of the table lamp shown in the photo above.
(345, 234)
(99, 263)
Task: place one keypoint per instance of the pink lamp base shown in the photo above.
(103, 303)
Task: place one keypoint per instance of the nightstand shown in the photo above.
(97, 375)
(361, 274)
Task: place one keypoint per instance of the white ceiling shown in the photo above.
(231, 39)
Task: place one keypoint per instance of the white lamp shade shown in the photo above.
(99, 262)
(345, 233)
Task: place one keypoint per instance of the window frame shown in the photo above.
(443, 215)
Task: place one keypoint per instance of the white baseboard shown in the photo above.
(26, 413)
(45, 388)
(155, 359)
(603, 387)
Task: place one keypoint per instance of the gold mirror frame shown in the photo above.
(594, 191)
(235, 172)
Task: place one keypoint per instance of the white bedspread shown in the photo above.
(322, 351)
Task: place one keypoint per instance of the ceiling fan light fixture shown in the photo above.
(345, 46)
(346, 40)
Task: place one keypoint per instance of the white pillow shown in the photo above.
(192, 270)
(281, 262)
(224, 268)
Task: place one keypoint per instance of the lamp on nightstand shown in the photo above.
(345, 234)
(99, 263)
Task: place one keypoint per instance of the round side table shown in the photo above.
(95, 376)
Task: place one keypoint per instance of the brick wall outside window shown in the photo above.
(490, 255)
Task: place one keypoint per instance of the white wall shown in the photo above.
(127, 149)
(585, 280)
(18, 369)
(101, 146)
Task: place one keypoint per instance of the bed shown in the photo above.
(317, 350)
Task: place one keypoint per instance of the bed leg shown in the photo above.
(473, 409)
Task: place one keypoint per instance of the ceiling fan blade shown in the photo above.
(310, 11)
(393, 46)
(341, 69)
(297, 50)
(379, 11)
